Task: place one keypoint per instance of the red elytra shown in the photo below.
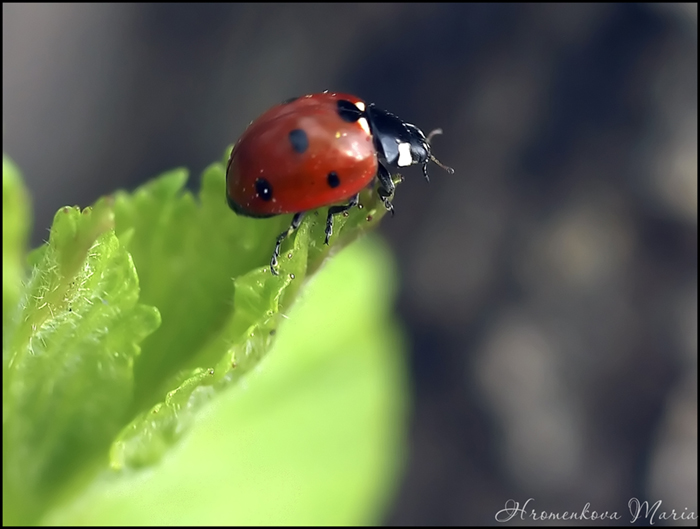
(299, 181)
(319, 150)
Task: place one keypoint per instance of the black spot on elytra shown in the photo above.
(348, 111)
(290, 100)
(333, 179)
(299, 140)
(263, 189)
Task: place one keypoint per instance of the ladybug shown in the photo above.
(320, 150)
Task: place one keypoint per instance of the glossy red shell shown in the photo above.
(299, 181)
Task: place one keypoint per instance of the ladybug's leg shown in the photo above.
(296, 221)
(386, 187)
(334, 210)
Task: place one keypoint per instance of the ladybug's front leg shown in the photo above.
(386, 187)
(334, 210)
(296, 221)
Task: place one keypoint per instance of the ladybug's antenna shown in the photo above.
(432, 158)
(433, 133)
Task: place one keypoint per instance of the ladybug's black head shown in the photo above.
(400, 144)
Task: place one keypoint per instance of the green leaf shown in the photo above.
(313, 435)
(67, 380)
(94, 399)
(207, 270)
(15, 227)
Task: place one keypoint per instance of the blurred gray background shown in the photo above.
(549, 287)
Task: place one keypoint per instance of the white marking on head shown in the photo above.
(360, 105)
(365, 126)
(405, 158)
